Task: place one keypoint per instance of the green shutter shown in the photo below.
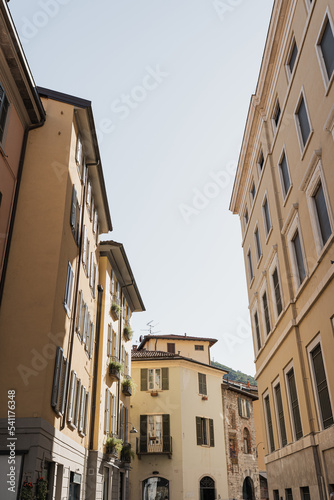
(165, 379)
(248, 408)
(199, 431)
(73, 207)
(165, 433)
(200, 383)
(205, 392)
(212, 437)
(143, 379)
(143, 434)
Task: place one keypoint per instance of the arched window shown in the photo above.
(247, 441)
(156, 488)
(207, 488)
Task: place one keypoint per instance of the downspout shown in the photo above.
(96, 359)
(18, 183)
(119, 359)
(75, 292)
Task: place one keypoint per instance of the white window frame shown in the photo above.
(327, 81)
(277, 382)
(69, 289)
(287, 389)
(302, 146)
(71, 398)
(289, 73)
(255, 310)
(317, 340)
(295, 226)
(107, 408)
(264, 289)
(285, 195)
(318, 176)
(275, 265)
(266, 230)
(155, 386)
(250, 266)
(273, 123)
(259, 256)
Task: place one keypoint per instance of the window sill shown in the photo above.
(251, 282)
(269, 234)
(305, 147)
(259, 261)
(324, 249)
(68, 311)
(287, 195)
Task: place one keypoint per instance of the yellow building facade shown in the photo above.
(284, 196)
(177, 410)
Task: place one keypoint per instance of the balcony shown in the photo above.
(153, 446)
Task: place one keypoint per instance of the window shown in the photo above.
(325, 49)
(280, 414)
(171, 347)
(202, 389)
(59, 382)
(233, 445)
(154, 379)
(288, 494)
(257, 330)
(247, 441)
(320, 385)
(207, 488)
(95, 222)
(250, 265)
(322, 213)
(260, 162)
(294, 405)
(4, 105)
(68, 289)
(107, 412)
(82, 411)
(266, 312)
(155, 434)
(298, 255)
(277, 292)
(266, 217)
(75, 216)
(199, 347)
(305, 493)
(253, 192)
(258, 243)
(270, 435)
(276, 115)
(243, 407)
(276, 494)
(284, 176)
(155, 487)
(71, 399)
(89, 195)
(246, 217)
(292, 57)
(204, 432)
(302, 122)
(78, 151)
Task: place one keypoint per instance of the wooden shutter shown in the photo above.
(82, 407)
(107, 413)
(247, 408)
(109, 345)
(116, 345)
(89, 193)
(84, 250)
(62, 387)
(88, 332)
(199, 433)
(122, 422)
(79, 312)
(78, 151)
(71, 396)
(165, 379)
(143, 379)
(56, 377)
(88, 258)
(212, 437)
(73, 208)
(86, 414)
(143, 434)
(165, 433)
(126, 425)
(239, 407)
(77, 403)
(113, 423)
(91, 343)
(84, 330)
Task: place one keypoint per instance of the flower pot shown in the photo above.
(127, 390)
(114, 372)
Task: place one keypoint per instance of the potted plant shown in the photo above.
(114, 445)
(27, 492)
(127, 454)
(115, 368)
(127, 332)
(41, 488)
(115, 310)
(128, 386)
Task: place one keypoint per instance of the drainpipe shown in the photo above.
(120, 321)
(96, 359)
(18, 183)
(75, 292)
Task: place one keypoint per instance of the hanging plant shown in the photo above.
(42, 488)
(127, 332)
(27, 491)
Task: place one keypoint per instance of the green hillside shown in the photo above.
(238, 376)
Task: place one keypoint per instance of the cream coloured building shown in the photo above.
(177, 410)
(284, 196)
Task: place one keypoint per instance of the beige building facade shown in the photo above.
(284, 196)
(177, 410)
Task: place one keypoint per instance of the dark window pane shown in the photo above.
(250, 264)
(293, 56)
(305, 493)
(327, 49)
(320, 203)
(276, 494)
(258, 244)
(285, 176)
(267, 217)
(270, 424)
(261, 161)
(280, 414)
(257, 329)
(322, 388)
(253, 191)
(294, 404)
(246, 217)
(299, 257)
(277, 114)
(266, 312)
(277, 291)
(303, 121)
(288, 494)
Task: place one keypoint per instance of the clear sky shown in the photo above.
(170, 82)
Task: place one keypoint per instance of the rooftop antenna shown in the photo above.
(150, 328)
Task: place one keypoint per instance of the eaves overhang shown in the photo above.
(85, 121)
(116, 254)
(147, 338)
